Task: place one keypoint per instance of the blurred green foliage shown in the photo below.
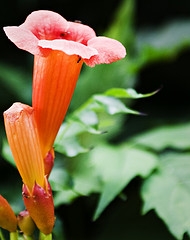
(90, 162)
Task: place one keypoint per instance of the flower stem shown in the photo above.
(45, 237)
(28, 237)
(1, 235)
(13, 236)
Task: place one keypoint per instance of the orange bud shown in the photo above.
(23, 139)
(40, 205)
(8, 219)
(25, 223)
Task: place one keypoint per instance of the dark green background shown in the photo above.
(122, 219)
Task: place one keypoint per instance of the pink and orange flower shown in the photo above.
(60, 48)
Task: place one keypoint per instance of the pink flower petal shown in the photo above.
(23, 39)
(79, 32)
(46, 24)
(69, 47)
(45, 30)
(109, 50)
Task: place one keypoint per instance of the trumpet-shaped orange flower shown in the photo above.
(60, 48)
(23, 138)
(8, 219)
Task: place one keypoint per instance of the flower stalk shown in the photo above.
(13, 236)
(1, 235)
(42, 236)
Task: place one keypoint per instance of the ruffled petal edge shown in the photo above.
(109, 50)
(69, 47)
(23, 39)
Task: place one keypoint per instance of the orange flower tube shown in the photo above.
(54, 81)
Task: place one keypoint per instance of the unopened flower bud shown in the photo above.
(25, 223)
(8, 219)
(40, 205)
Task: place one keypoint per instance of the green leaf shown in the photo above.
(167, 191)
(82, 174)
(60, 179)
(117, 166)
(122, 27)
(69, 146)
(106, 169)
(112, 105)
(85, 120)
(164, 42)
(175, 136)
(127, 93)
(65, 196)
(169, 36)
(67, 141)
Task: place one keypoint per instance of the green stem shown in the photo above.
(45, 237)
(13, 236)
(1, 235)
(28, 237)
